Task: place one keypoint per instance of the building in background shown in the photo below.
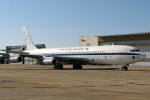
(139, 40)
(23, 47)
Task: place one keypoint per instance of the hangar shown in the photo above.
(139, 40)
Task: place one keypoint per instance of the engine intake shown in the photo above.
(15, 59)
(48, 61)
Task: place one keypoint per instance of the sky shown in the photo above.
(60, 23)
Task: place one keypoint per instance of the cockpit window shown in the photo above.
(132, 50)
(135, 50)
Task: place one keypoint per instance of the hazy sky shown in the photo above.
(59, 23)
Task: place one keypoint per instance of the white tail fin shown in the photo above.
(29, 42)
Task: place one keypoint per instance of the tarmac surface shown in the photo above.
(35, 82)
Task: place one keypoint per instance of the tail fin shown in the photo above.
(28, 40)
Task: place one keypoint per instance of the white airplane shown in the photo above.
(78, 56)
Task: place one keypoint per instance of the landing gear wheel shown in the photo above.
(77, 66)
(58, 66)
(124, 68)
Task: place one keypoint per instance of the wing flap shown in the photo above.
(4, 54)
(31, 56)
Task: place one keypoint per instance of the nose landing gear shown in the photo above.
(125, 67)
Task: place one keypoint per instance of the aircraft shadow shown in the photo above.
(67, 69)
(50, 68)
(116, 69)
(100, 69)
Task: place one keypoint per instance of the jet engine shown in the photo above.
(15, 59)
(48, 61)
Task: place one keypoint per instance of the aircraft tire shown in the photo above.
(125, 68)
(77, 66)
(58, 67)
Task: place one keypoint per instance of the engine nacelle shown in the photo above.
(15, 59)
(48, 61)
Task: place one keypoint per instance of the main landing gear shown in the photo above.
(125, 67)
(58, 66)
(77, 66)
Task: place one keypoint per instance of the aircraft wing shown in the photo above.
(31, 56)
(16, 52)
(4, 54)
(61, 59)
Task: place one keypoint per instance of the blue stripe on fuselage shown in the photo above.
(99, 54)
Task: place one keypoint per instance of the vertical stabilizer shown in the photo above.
(28, 40)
